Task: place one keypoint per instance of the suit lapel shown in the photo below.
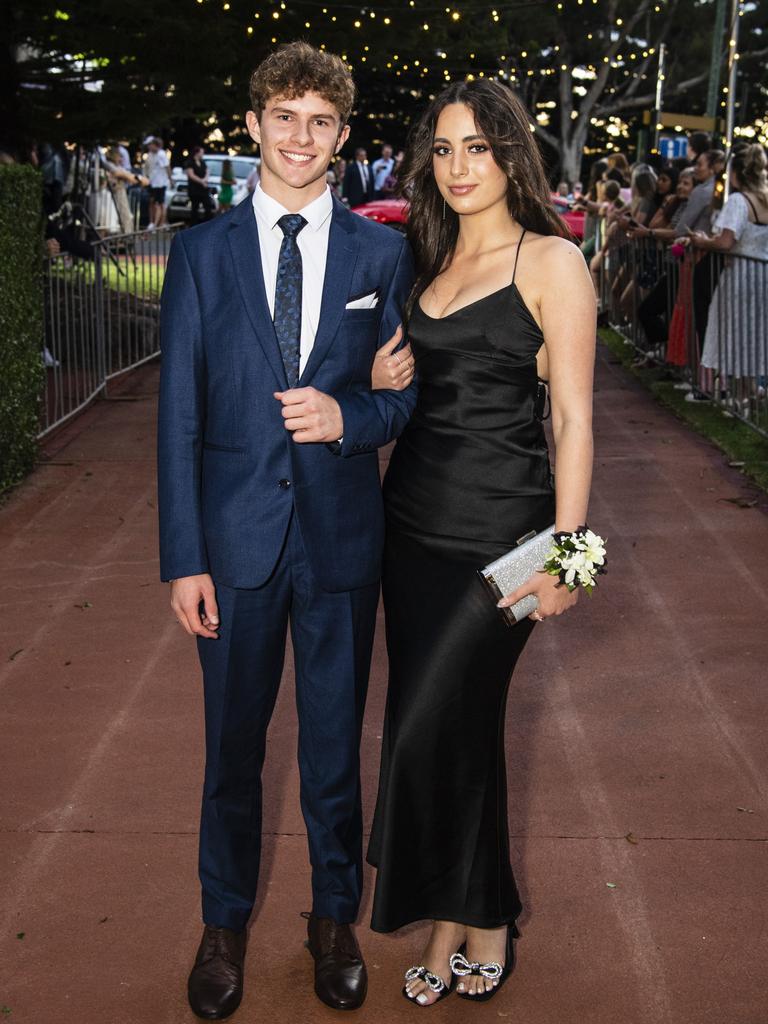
(243, 238)
(343, 245)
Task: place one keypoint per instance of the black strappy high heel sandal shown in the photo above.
(462, 968)
(432, 981)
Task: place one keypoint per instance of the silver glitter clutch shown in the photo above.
(513, 569)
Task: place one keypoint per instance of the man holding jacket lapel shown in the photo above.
(270, 506)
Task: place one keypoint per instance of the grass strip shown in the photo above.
(740, 442)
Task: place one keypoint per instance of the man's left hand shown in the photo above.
(311, 415)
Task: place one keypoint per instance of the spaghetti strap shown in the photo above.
(517, 254)
(754, 209)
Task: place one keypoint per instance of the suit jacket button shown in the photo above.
(285, 484)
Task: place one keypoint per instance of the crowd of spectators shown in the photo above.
(105, 189)
(660, 243)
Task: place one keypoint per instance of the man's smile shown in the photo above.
(295, 157)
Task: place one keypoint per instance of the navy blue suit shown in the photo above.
(288, 531)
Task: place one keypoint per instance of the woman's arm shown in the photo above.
(570, 349)
(723, 242)
(567, 314)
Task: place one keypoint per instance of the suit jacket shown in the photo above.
(353, 188)
(229, 472)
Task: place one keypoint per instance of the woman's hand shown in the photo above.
(638, 232)
(554, 597)
(393, 371)
(698, 238)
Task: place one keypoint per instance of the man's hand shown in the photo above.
(311, 415)
(186, 594)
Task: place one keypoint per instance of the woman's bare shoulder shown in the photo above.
(555, 255)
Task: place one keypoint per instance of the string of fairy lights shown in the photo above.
(629, 57)
(357, 19)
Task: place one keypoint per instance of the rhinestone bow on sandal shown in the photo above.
(433, 982)
(461, 967)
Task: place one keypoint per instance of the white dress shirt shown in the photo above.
(381, 171)
(313, 246)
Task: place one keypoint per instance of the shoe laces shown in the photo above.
(338, 937)
(220, 943)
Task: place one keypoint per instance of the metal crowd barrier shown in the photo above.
(101, 318)
(702, 315)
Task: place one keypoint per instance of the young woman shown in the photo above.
(590, 203)
(734, 343)
(643, 205)
(226, 188)
(502, 309)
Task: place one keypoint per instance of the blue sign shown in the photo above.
(674, 148)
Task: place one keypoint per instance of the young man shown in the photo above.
(270, 506)
(358, 180)
(157, 167)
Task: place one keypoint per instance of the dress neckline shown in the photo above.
(484, 298)
(469, 305)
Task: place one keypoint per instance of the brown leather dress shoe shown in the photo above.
(341, 980)
(215, 985)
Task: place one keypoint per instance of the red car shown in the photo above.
(394, 213)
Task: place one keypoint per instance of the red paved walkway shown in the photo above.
(642, 712)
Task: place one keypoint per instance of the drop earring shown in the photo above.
(443, 208)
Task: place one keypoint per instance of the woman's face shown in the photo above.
(663, 184)
(685, 185)
(466, 173)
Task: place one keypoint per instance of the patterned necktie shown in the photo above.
(287, 316)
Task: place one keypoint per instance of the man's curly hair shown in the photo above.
(298, 68)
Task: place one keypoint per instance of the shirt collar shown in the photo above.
(269, 211)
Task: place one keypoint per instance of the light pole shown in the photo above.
(716, 59)
(659, 96)
(733, 66)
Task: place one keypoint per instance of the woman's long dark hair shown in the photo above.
(500, 117)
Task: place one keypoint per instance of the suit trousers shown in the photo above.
(332, 635)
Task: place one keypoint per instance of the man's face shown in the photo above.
(386, 152)
(298, 138)
(361, 155)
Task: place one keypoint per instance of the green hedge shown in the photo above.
(21, 319)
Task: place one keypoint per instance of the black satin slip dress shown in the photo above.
(469, 476)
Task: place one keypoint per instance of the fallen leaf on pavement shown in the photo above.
(741, 502)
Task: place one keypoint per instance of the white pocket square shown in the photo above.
(364, 302)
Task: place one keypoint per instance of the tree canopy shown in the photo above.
(90, 71)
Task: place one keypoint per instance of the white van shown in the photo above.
(179, 207)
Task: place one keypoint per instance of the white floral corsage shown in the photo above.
(578, 558)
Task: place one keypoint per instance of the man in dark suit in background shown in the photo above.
(270, 504)
(358, 180)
